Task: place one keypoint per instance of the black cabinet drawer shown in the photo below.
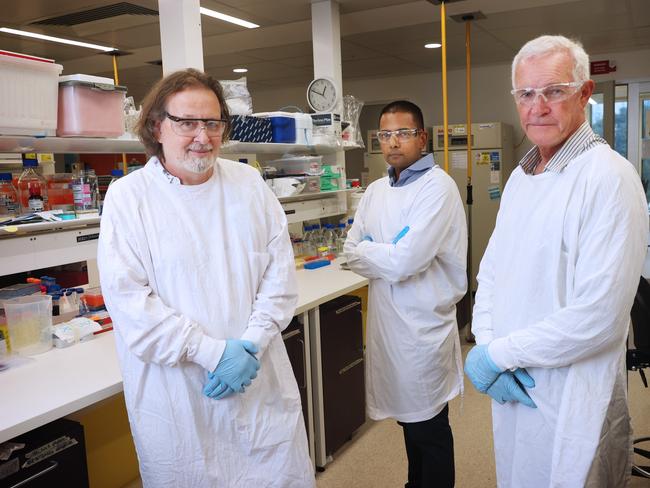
(342, 363)
(53, 455)
(341, 333)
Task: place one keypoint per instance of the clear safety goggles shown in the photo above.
(403, 135)
(557, 92)
(192, 127)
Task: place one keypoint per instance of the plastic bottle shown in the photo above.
(9, 204)
(32, 188)
(83, 308)
(329, 238)
(55, 303)
(317, 235)
(307, 244)
(340, 230)
(342, 234)
(85, 191)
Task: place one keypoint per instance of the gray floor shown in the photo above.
(375, 457)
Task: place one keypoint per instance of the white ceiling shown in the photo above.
(379, 37)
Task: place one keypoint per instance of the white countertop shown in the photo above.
(62, 381)
(316, 286)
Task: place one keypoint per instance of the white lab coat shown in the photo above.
(182, 269)
(412, 347)
(556, 285)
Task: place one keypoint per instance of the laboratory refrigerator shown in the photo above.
(492, 163)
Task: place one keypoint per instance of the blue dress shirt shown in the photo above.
(412, 173)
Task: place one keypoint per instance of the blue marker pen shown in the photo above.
(401, 234)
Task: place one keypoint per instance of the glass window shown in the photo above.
(595, 113)
(645, 143)
(620, 120)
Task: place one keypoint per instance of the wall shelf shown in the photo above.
(237, 147)
(314, 196)
(22, 144)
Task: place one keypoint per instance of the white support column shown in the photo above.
(326, 45)
(326, 42)
(180, 35)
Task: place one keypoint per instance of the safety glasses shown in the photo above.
(192, 127)
(557, 92)
(403, 135)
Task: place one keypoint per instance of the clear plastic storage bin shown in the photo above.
(298, 165)
(29, 321)
(88, 108)
(28, 98)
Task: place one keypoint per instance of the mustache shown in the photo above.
(196, 146)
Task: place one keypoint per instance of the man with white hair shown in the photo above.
(556, 285)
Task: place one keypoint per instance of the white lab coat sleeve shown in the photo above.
(150, 329)
(482, 312)
(611, 249)
(277, 294)
(355, 237)
(432, 221)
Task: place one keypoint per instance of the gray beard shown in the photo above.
(199, 165)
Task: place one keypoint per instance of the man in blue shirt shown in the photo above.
(409, 239)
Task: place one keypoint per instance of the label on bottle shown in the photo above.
(36, 203)
(8, 204)
(82, 196)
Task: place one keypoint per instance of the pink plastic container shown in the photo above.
(90, 109)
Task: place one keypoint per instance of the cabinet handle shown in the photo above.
(289, 335)
(53, 465)
(348, 307)
(304, 365)
(347, 368)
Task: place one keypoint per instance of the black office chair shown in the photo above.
(639, 358)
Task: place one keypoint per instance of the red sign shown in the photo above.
(601, 67)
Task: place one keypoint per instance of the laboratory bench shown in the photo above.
(63, 381)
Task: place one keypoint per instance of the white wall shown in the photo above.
(491, 99)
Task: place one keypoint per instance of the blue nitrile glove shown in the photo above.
(507, 389)
(367, 238)
(221, 391)
(236, 368)
(480, 368)
(401, 234)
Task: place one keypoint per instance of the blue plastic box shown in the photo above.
(284, 129)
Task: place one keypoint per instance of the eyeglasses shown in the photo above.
(558, 92)
(403, 135)
(193, 127)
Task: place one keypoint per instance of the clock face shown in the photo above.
(322, 95)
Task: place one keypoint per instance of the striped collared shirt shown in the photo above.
(580, 141)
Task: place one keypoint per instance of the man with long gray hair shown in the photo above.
(556, 285)
(197, 271)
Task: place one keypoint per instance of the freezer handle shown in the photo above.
(347, 368)
(348, 307)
